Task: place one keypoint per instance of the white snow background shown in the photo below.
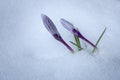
(29, 52)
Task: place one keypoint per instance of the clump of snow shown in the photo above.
(29, 52)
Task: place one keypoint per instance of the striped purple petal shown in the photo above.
(49, 24)
(53, 30)
(67, 25)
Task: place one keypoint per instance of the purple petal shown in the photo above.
(53, 30)
(67, 25)
(49, 24)
(71, 28)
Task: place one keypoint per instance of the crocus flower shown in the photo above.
(53, 30)
(71, 28)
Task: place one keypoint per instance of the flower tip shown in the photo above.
(62, 20)
(43, 16)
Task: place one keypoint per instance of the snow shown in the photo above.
(29, 52)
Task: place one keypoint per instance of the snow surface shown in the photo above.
(29, 52)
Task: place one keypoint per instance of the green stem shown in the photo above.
(77, 42)
(99, 40)
(73, 43)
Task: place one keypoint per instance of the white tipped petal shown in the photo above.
(67, 25)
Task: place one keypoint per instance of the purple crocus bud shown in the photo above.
(53, 30)
(71, 28)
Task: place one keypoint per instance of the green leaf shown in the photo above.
(73, 43)
(79, 48)
(99, 39)
(78, 42)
